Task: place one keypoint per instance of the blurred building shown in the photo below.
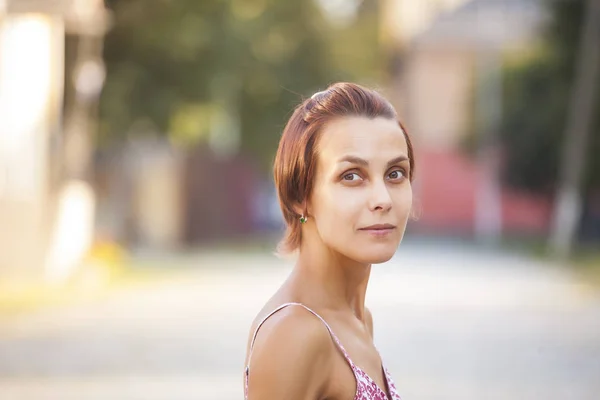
(50, 76)
(154, 196)
(448, 58)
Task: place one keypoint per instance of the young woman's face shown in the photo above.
(362, 195)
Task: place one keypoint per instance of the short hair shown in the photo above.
(296, 159)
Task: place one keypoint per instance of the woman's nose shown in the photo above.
(380, 197)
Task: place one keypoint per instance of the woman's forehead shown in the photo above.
(361, 136)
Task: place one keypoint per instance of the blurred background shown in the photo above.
(138, 217)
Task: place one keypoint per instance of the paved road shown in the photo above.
(451, 323)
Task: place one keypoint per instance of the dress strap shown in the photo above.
(333, 335)
(335, 338)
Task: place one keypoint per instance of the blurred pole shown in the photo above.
(73, 228)
(46, 218)
(31, 90)
(88, 78)
(567, 211)
(488, 206)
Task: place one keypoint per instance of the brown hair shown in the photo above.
(296, 159)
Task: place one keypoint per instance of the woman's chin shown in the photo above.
(376, 255)
(381, 258)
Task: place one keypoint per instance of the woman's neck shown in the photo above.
(332, 279)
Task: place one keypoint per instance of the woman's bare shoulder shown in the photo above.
(292, 356)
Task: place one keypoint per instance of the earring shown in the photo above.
(303, 219)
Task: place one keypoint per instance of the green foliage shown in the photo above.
(181, 64)
(537, 95)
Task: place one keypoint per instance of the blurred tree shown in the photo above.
(226, 71)
(581, 117)
(537, 95)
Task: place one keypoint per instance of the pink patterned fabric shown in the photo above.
(366, 388)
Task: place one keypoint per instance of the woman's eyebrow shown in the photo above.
(354, 160)
(397, 160)
(365, 163)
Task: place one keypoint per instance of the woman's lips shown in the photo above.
(379, 230)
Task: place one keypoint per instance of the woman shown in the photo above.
(343, 174)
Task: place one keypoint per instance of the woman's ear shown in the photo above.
(298, 209)
(302, 209)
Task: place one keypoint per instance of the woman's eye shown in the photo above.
(396, 174)
(351, 177)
